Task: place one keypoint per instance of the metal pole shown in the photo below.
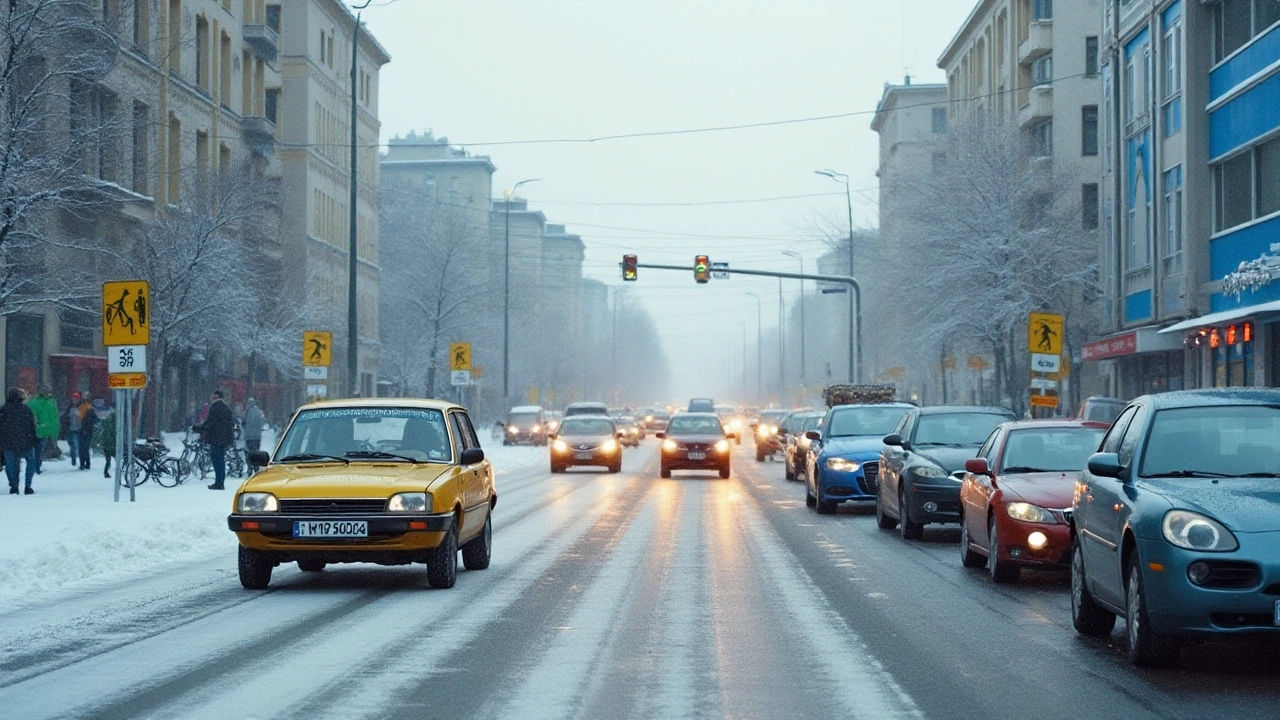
(353, 343)
(120, 428)
(782, 382)
(855, 302)
(506, 300)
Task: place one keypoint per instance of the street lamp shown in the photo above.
(506, 289)
(759, 351)
(803, 382)
(353, 345)
(848, 198)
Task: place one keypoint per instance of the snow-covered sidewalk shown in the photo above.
(71, 532)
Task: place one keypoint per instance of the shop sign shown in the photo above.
(1124, 344)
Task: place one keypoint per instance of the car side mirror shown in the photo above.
(259, 458)
(1106, 465)
(730, 434)
(472, 456)
(977, 466)
(552, 436)
(893, 439)
(659, 434)
(813, 435)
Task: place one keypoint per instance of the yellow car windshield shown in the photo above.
(376, 433)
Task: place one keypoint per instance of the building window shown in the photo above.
(939, 120)
(1089, 130)
(1042, 70)
(1239, 21)
(1091, 55)
(1041, 137)
(202, 53)
(141, 161)
(323, 38)
(1089, 206)
(1173, 221)
(75, 328)
(224, 84)
(272, 103)
(175, 35)
(1042, 10)
(273, 18)
(174, 171)
(1268, 178)
(141, 25)
(1234, 196)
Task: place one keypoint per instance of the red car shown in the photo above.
(1017, 495)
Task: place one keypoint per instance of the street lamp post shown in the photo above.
(759, 351)
(803, 381)
(782, 351)
(848, 198)
(353, 259)
(506, 289)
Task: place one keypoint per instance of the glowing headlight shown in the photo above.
(513, 429)
(560, 446)
(670, 445)
(1193, 531)
(1026, 512)
(609, 446)
(928, 471)
(258, 503)
(841, 465)
(722, 446)
(535, 428)
(409, 503)
(1037, 540)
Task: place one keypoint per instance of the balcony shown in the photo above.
(1039, 42)
(263, 40)
(260, 135)
(1039, 106)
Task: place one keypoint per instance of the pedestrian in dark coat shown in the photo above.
(251, 429)
(219, 430)
(18, 439)
(88, 419)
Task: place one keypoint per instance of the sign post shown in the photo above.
(1044, 343)
(317, 352)
(126, 331)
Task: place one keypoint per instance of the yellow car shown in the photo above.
(391, 481)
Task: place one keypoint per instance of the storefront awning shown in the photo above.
(1224, 316)
(1131, 342)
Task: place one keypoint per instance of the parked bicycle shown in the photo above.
(195, 458)
(151, 461)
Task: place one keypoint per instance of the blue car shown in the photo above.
(1176, 522)
(844, 453)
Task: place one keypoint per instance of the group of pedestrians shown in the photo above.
(218, 429)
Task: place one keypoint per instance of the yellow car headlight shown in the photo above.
(253, 502)
(670, 445)
(560, 446)
(409, 503)
(609, 446)
(722, 446)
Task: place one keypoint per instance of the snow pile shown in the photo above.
(71, 532)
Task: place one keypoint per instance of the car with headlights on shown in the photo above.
(632, 432)
(391, 481)
(591, 440)
(843, 462)
(694, 441)
(768, 441)
(922, 463)
(796, 445)
(526, 424)
(1015, 501)
(1176, 523)
(656, 420)
(553, 420)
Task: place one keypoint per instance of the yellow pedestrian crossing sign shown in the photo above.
(126, 313)
(317, 347)
(460, 356)
(1044, 333)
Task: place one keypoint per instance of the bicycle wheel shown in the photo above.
(183, 468)
(235, 462)
(203, 463)
(167, 473)
(134, 471)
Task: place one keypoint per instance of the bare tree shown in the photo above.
(58, 142)
(986, 238)
(429, 293)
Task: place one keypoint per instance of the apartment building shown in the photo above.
(187, 98)
(316, 44)
(1195, 190)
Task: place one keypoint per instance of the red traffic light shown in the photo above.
(701, 268)
(629, 267)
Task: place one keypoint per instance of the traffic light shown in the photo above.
(629, 264)
(701, 268)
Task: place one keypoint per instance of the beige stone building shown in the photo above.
(314, 110)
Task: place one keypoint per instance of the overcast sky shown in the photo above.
(484, 71)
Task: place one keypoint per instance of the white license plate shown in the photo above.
(583, 456)
(330, 528)
(697, 456)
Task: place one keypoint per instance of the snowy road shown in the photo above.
(609, 596)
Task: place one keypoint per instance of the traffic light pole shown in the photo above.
(855, 331)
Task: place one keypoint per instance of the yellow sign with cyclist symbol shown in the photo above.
(126, 313)
(317, 347)
(460, 356)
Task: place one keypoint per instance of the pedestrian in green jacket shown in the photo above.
(45, 408)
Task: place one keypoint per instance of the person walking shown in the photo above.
(88, 419)
(107, 440)
(251, 429)
(45, 408)
(219, 431)
(18, 439)
(74, 417)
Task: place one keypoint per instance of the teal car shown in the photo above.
(1176, 523)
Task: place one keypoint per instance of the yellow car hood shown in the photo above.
(330, 480)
